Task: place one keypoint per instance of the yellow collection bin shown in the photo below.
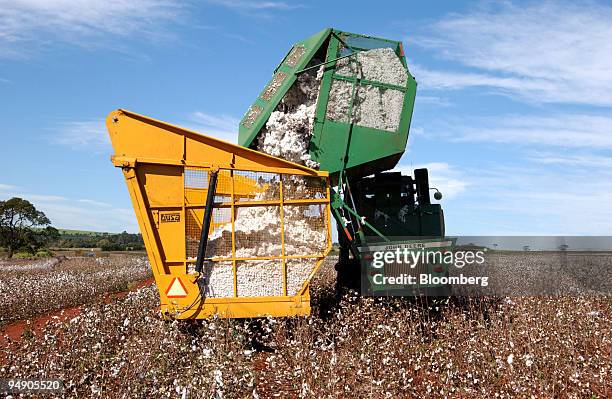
(269, 231)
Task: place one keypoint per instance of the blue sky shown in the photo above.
(512, 114)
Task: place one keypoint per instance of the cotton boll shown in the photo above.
(288, 130)
(378, 65)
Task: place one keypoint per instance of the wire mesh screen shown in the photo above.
(197, 181)
(219, 279)
(256, 186)
(220, 234)
(259, 278)
(369, 87)
(223, 190)
(305, 229)
(196, 178)
(339, 103)
(372, 106)
(298, 270)
(378, 107)
(304, 187)
(245, 231)
(193, 228)
(257, 231)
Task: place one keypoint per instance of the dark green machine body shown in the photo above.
(368, 203)
(337, 146)
(398, 205)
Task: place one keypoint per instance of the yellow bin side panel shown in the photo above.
(154, 157)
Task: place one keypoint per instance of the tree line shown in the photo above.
(23, 228)
(105, 241)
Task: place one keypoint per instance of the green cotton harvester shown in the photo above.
(342, 102)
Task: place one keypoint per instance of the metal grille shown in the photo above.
(378, 107)
(193, 229)
(196, 178)
(256, 186)
(304, 187)
(222, 199)
(361, 95)
(273, 85)
(220, 234)
(257, 231)
(251, 273)
(339, 104)
(298, 270)
(245, 233)
(219, 279)
(223, 191)
(349, 67)
(372, 106)
(305, 232)
(196, 190)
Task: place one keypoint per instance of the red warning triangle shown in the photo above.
(176, 289)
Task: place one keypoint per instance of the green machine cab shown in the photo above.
(359, 133)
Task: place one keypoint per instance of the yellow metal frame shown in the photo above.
(153, 156)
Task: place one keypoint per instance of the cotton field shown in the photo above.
(350, 346)
(38, 287)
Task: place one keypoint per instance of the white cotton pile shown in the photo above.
(288, 131)
(378, 65)
(374, 107)
(287, 135)
(258, 234)
(256, 278)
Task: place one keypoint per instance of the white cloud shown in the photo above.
(223, 127)
(561, 131)
(93, 202)
(442, 176)
(7, 187)
(576, 160)
(41, 197)
(554, 52)
(556, 171)
(450, 80)
(254, 5)
(82, 214)
(434, 100)
(73, 215)
(528, 200)
(27, 24)
(9, 191)
(92, 134)
(82, 134)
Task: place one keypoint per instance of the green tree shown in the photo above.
(40, 238)
(18, 220)
(106, 245)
